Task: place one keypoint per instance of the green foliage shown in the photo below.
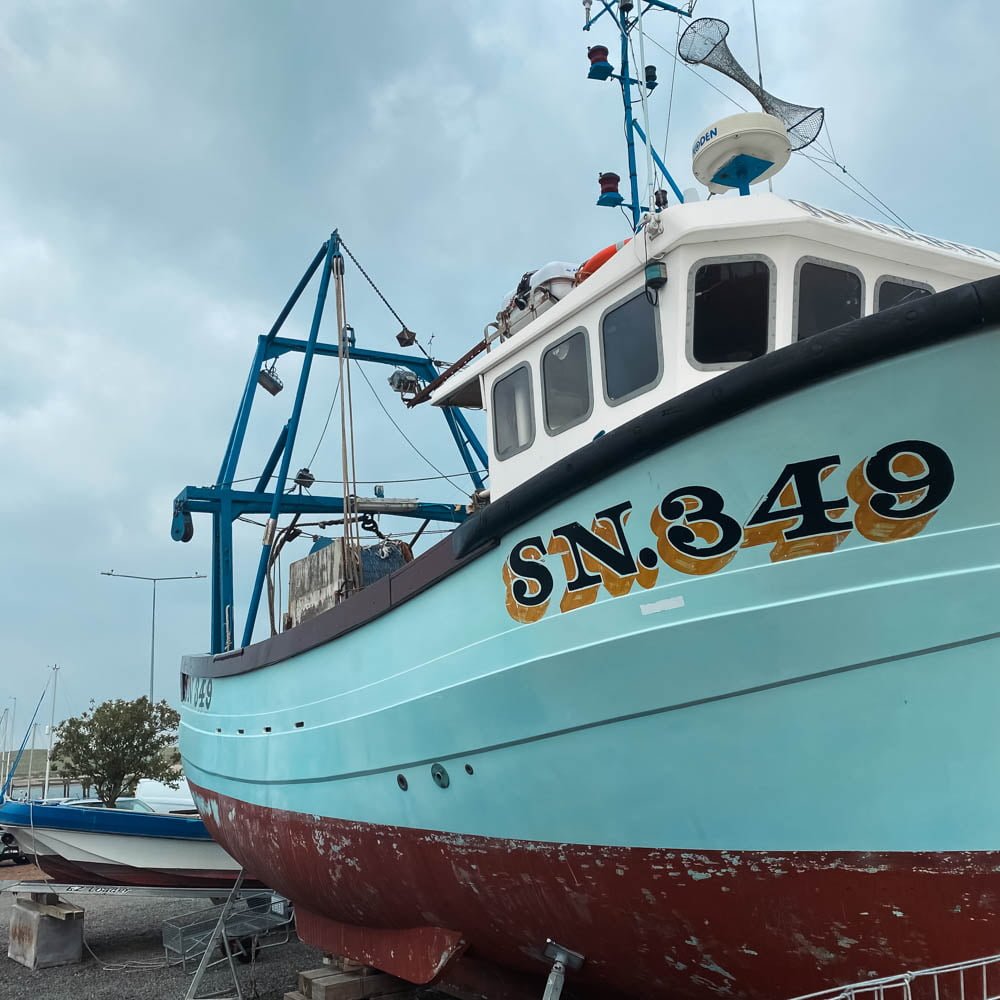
(114, 744)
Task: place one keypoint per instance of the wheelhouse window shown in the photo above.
(566, 382)
(730, 311)
(827, 295)
(513, 415)
(630, 349)
(891, 292)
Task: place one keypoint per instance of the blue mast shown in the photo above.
(601, 69)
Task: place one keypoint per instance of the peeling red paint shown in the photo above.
(679, 924)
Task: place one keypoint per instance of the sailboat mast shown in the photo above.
(52, 727)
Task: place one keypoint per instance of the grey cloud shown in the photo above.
(167, 170)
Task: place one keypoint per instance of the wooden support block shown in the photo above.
(322, 984)
(50, 905)
(49, 898)
(60, 910)
(350, 986)
(306, 979)
(294, 995)
(340, 964)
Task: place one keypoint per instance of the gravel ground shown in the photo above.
(124, 931)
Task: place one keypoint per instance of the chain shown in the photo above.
(378, 292)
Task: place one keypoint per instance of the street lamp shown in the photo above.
(152, 638)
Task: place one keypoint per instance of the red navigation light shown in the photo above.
(609, 190)
(609, 183)
(600, 68)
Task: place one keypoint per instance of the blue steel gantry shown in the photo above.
(227, 504)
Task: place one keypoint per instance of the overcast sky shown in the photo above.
(168, 169)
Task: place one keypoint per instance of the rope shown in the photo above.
(756, 39)
(829, 137)
(760, 70)
(884, 210)
(691, 69)
(881, 207)
(352, 539)
(354, 454)
(134, 966)
(333, 402)
(408, 441)
(670, 102)
(643, 99)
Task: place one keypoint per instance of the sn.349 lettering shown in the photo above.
(896, 492)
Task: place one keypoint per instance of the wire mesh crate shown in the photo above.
(254, 921)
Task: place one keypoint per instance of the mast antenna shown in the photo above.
(627, 15)
(644, 89)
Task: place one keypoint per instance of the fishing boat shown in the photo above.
(129, 846)
(697, 698)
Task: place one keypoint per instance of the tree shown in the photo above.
(114, 744)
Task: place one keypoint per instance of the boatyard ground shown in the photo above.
(126, 936)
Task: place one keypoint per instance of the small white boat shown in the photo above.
(88, 845)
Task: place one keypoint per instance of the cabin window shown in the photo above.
(513, 415)
(891, 292)
(730, 317)
(566, 382)
(630, 349)
(827, 295)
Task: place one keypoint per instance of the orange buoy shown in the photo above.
(588, 267)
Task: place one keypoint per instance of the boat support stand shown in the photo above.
(562, 959)
(206, 959)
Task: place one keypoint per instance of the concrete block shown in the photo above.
(43, 935)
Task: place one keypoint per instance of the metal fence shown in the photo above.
(977, 979)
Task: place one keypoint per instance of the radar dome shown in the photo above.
(739, 151)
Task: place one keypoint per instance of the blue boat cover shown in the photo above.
(97, 820)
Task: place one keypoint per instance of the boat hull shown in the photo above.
(755, 771)
(89, 846)
(670, 923)
(106, 859)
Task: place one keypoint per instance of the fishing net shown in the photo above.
(704, 43)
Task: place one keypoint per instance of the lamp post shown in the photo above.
(152, 637)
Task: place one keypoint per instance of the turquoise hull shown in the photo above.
(775, 716)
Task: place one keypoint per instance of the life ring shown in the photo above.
(588, 267)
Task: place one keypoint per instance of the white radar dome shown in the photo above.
(739, 151)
